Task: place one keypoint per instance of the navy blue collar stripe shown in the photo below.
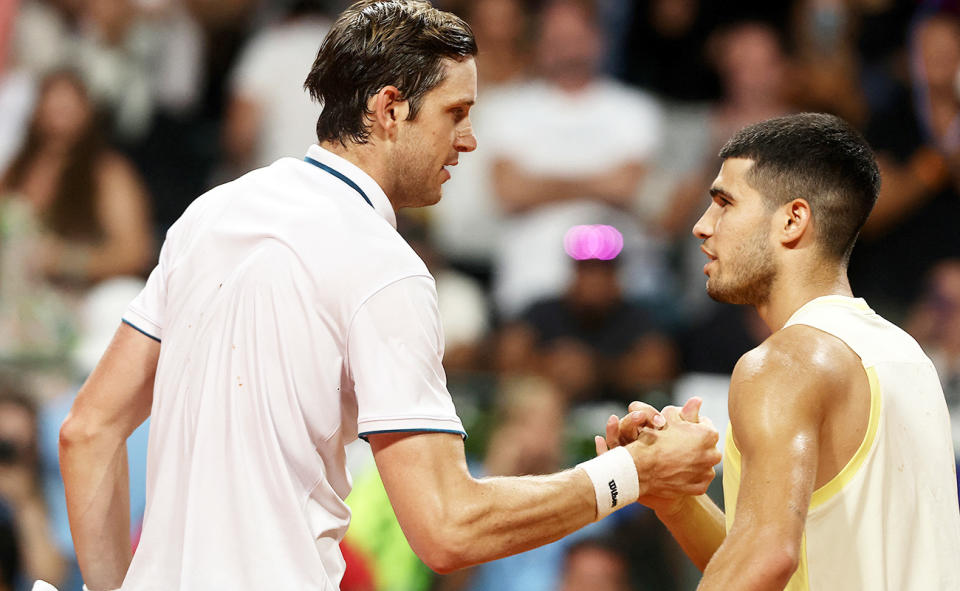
(340, 176)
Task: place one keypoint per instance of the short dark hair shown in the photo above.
(820, 158)
(377, 43)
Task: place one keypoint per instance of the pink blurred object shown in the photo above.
(596, 241)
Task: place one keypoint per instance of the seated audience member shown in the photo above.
(569, 148)
(917, 142)
(16, 88)
(596, 564)
(21, 493)
(935, 323)
(826, 64)
(665, 49)
(591, 340)
(72, 213)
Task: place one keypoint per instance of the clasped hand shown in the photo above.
(674, 449)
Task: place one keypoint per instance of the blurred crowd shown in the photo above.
(116, 114)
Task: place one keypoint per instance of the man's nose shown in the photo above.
(703, 229)
(465, 140)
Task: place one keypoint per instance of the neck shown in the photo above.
(367, 158)
(789, 294)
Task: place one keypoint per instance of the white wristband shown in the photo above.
(615, 480)
(85, 588)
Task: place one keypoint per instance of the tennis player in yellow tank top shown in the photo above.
(838, 467)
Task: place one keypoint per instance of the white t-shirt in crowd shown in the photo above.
(17, 96)
(292, 318)
(270, 73)
(548, 132)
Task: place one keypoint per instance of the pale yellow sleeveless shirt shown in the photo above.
(889, 521)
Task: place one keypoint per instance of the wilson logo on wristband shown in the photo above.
(614, 479)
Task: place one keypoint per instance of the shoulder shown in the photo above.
(797, 350)
(796, 370)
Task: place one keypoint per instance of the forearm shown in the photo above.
(520, 192)
(755, 562)
(95, 263)
(507, 515)
(698, 526)
(94, 470)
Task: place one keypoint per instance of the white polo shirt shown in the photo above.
(292, 317)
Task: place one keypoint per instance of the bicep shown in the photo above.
(119, 392)
(420, 472)
(776, 429)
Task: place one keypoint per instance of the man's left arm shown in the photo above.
(776, 410)
(114, 401)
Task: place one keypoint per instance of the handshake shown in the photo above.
(656, 458)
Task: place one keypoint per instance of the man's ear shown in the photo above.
(386, 110)
(796, 221)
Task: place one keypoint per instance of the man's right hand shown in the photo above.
(677, 460)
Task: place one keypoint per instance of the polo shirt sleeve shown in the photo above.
(146, 312)
(394, 356)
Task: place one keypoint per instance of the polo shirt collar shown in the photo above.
(366, 183)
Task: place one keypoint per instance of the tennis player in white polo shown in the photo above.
(286, 317)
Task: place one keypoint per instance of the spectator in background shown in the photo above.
(21, 491)
(935, 322)
(44, 33)
(269, 114)
(915, 140)
(72, 213)
(590, 341)
(501, 28)
(596, 564)
(568, 149)
(16, 88)
(826, 64)
(665, 51)
(116, 54)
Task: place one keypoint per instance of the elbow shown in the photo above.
(73, 433)
(777, 563)
(77, 433)
(445, 551)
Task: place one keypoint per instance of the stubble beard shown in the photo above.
(750, 273)
(413, 184)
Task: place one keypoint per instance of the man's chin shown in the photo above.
(719, 294)
(432, 199)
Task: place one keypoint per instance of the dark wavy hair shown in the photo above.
(378, 43)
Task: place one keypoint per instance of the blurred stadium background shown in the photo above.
(116, 114)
